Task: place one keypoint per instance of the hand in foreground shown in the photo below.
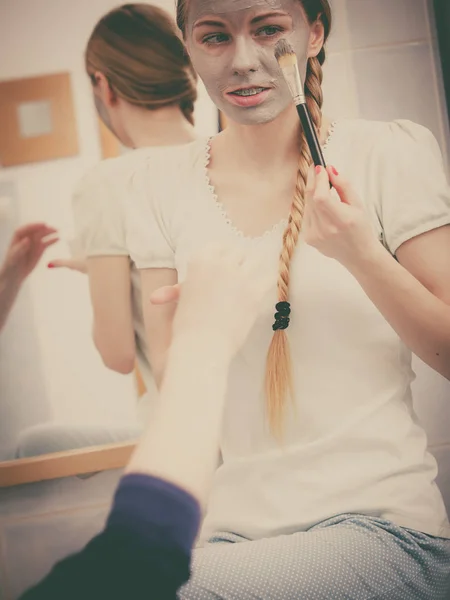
(337, 226)
(26, 249)
(221, 294)
(73, 264)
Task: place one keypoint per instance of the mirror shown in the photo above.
(55, 393)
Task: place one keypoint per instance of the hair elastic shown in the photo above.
(282, 319)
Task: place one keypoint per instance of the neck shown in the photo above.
(161, 127)
(270, 145)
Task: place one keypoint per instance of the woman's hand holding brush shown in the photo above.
(335, 222)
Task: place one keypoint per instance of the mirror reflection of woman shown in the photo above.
(144, 89)
(329, 493)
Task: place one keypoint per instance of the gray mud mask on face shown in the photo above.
(246, 60)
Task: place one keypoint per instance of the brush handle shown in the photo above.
(311, 135)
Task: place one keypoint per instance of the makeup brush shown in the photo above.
(287, 60)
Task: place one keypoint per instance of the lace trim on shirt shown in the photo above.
(221, 207)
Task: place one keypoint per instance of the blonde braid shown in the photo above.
(279, 367)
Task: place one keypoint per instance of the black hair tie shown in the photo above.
(282, 319)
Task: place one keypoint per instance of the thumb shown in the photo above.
(166, 294)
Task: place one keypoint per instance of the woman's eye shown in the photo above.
(214, 39)
(269, 30)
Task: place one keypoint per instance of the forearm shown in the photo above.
(420, 319)
(189, 416)
(9, 289)
(117, 354)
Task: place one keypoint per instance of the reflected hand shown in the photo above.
(336, 226)
(73, 264)
(26, 249)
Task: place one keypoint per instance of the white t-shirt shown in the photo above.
(352, 443)
(100, 231)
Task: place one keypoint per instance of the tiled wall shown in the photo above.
(43, 522)
(382, 64)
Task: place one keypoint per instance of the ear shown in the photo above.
(316, 39)
(104, 90)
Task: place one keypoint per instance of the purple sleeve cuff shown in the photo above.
(156, 509)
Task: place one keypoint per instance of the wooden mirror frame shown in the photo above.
(65, 464)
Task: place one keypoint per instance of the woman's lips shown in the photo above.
(248, 100)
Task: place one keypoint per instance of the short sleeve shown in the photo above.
(414, 192)
(148, 214)
(98, 216)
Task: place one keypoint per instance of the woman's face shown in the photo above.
(232, 42)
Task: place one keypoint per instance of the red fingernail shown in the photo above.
(333, 170)
(318, 169)
(51, 266)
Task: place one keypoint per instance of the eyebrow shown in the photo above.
(273, 13)
(254, 21)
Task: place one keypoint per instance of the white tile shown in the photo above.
(340, 99)
(385, 22)
(439, 75)
(398, 83)
(339, 37)
(33, 546)
(429, 6)
(4, 595)
(431, 393)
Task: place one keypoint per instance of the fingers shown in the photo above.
(60, 263)
(322, 193)
(63, 263)
(310, 182)
(50, 242)
(327, 204)
(34, 229)
(346, 193)
(166, 294)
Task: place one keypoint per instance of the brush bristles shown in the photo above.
(284, 54)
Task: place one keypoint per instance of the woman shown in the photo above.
(144, 89)
(326, 489)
